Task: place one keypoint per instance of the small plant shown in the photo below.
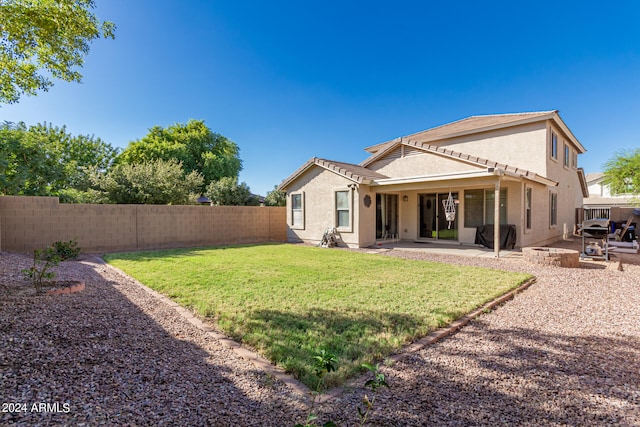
(323, 362)
(43, 261)
(375, 384)
(67, 250)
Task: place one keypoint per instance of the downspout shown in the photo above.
(496, 216)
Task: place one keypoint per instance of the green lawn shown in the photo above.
(289, 301)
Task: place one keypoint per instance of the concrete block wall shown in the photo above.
(28, 223)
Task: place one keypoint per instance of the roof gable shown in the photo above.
(478, 124)
(479, 161)
(473, 160)
(594, 177)
(355, 173)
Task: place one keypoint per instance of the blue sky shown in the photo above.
(289, 80)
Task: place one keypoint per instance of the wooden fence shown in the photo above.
(28, 223)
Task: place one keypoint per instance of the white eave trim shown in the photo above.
(435, 177)
(488, 172)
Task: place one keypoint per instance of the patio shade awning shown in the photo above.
(488, 172)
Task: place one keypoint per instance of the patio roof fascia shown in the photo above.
(488, 172)
(435, 177)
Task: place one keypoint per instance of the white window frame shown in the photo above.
(567, 153)
(486, 210)
(343, 228)
(553, 209)
(528, 208)
(554, 146)
(293, 211)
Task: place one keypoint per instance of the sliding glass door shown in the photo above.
(386, 215)
(432, 221)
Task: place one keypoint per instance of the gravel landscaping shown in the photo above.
(566, 351)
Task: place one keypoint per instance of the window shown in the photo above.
(490, 206)
(479, 208)
(343, 213)
(297, 214)
(473, 208)
(553, 220)
(527, 208)
(554, 145)
(566, 156)
(574, 159)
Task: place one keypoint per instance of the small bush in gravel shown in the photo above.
(374, 384)
(43, 261)
(67, 250)
(323, 362)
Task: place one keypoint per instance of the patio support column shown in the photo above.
(496, 219)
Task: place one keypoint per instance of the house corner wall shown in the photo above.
(318, 187)
(366, 216)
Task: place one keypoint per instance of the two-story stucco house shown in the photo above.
(518, 170)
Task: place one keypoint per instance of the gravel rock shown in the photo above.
(113, 355)
(564, 352)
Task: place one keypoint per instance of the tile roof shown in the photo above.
(355, 173)
(594, 176)
(468, 125)
(479, 161)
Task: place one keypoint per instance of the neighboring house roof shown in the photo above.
(594, 176)
(477, 124)
(604, 197)
(355, 173)
(608, 201)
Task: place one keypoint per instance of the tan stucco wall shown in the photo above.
(367, 221)
(569, 189)
(520, 146)
(420, 165)
(318, 187)
(28, 223)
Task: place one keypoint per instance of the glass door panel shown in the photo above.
(447, 230)
(386, 215)
(427, 216)
(432, 222)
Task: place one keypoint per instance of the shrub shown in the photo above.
(43, 261)
(67, 250)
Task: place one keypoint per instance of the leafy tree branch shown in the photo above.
(42, 38)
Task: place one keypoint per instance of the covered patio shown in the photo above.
(440, 248)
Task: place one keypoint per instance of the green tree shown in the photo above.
(193, 144)
(78, 156)
(227, 192)
(156, 182)
(44, 160)
(622, 172)
(44, 39)
(275, 197)
(27, 167)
